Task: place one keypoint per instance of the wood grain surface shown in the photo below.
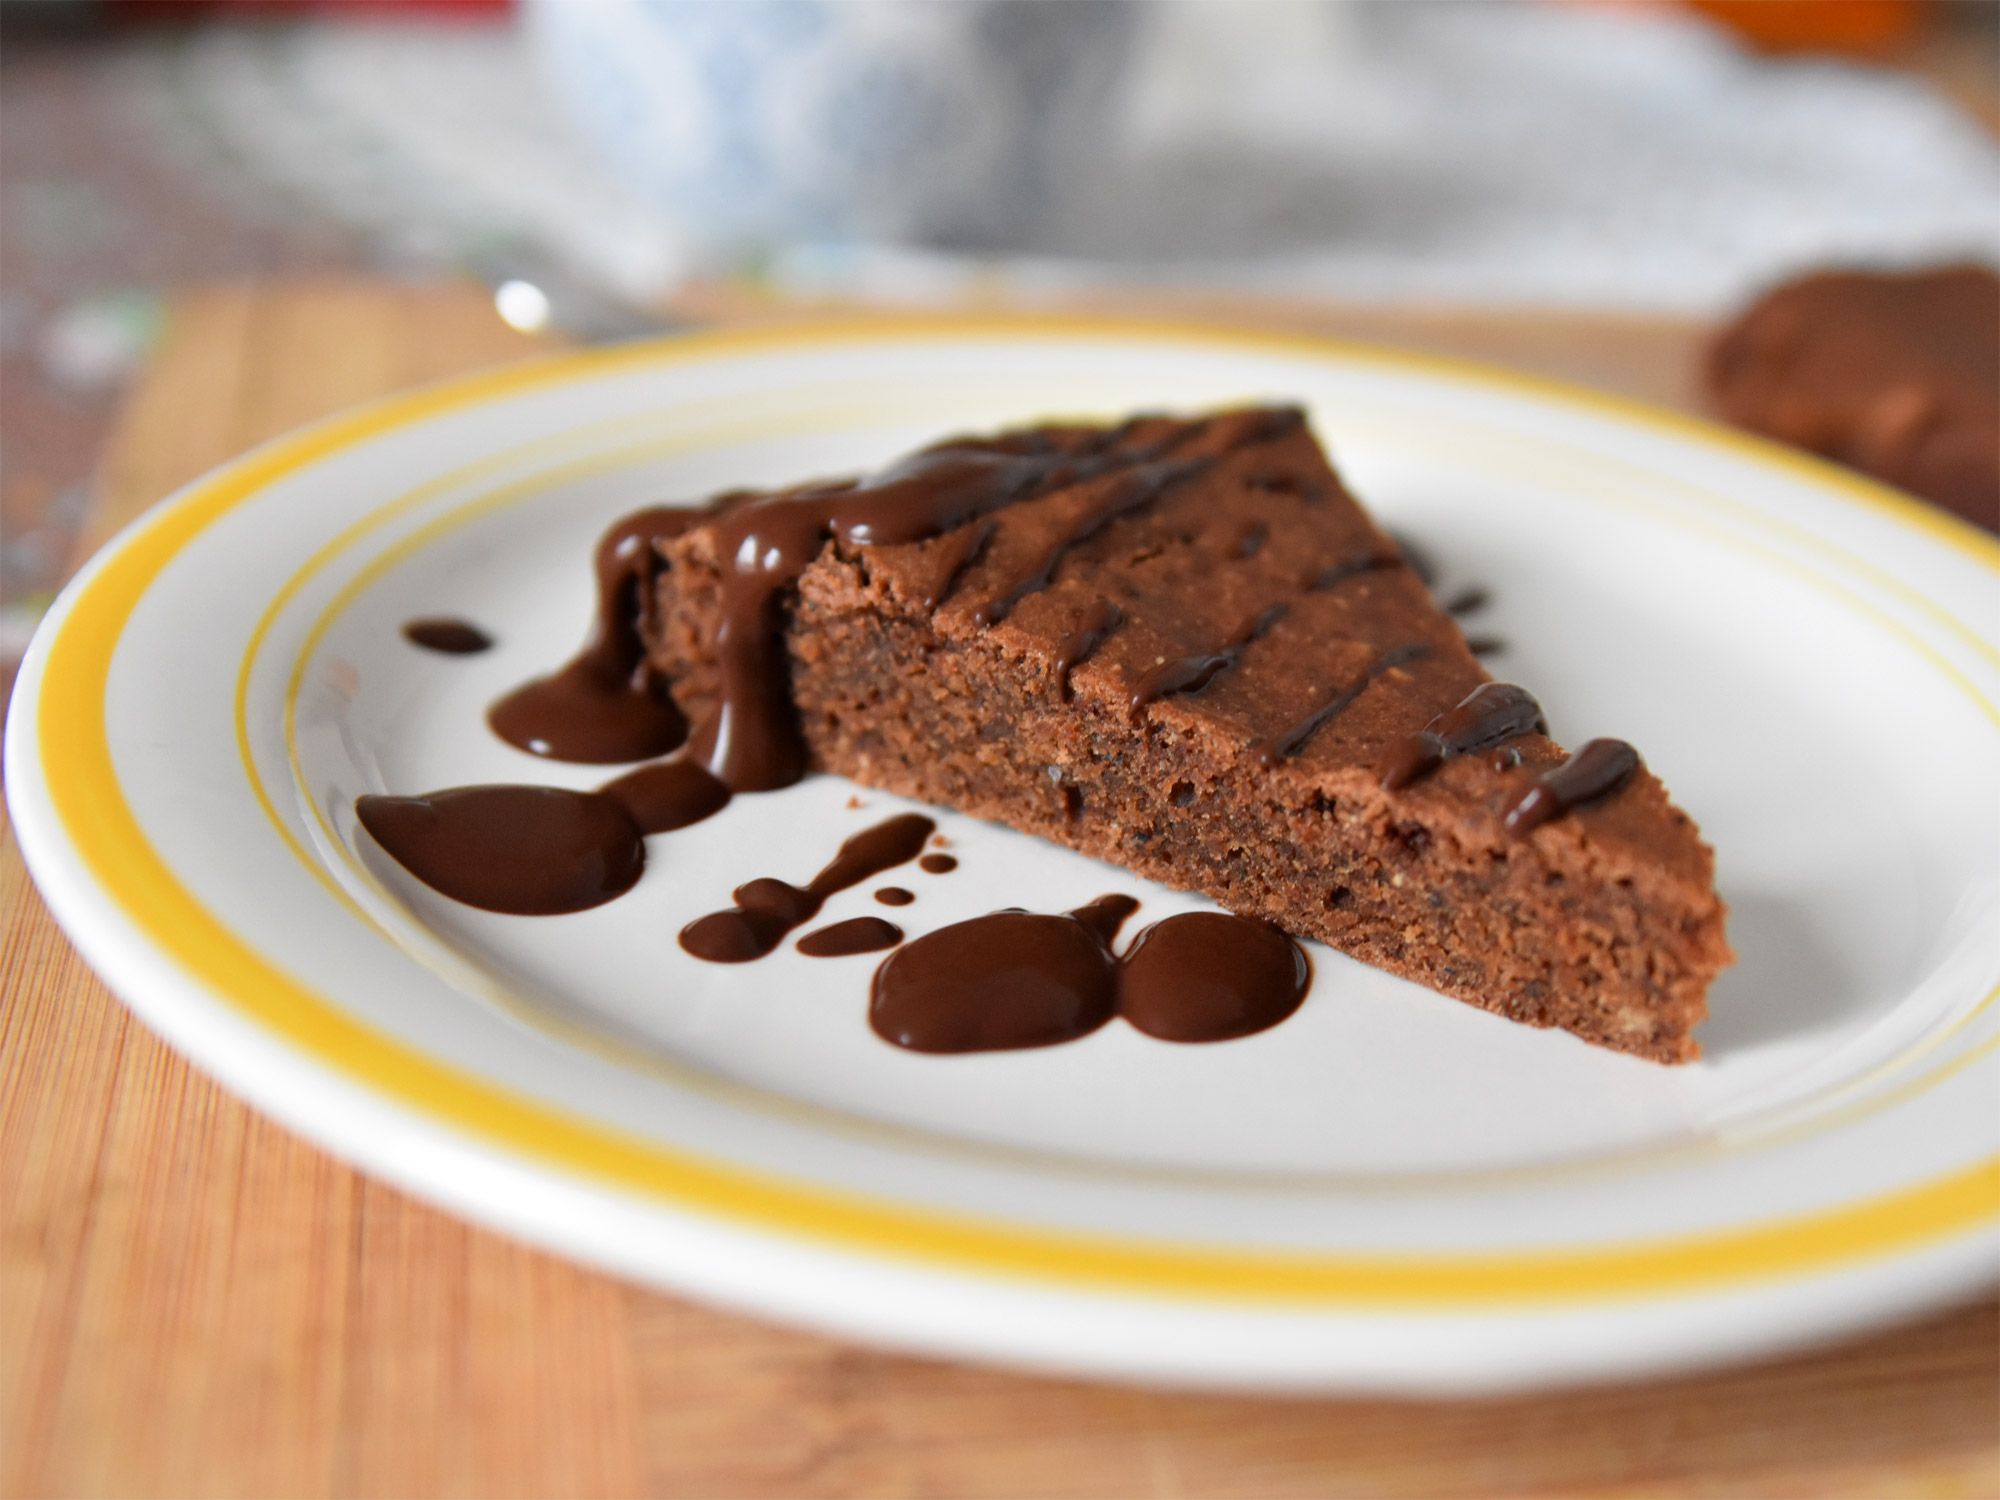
(194, 1302)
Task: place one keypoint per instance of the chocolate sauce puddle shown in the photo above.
(767, 909)
(1491, 713)
(1017, 979)
(1208, 976)
(1600, 768)
(855, 935)
(668, 794)
(447, 635)
(526, 850)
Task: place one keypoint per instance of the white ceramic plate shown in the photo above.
(1391, 1191)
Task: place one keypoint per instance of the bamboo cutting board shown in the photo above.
(194, 1302)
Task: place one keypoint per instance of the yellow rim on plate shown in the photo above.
(91, 807)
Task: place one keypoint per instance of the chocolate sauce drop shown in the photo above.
(668, 794)
(855, 935)
(1208, 976)
(894, 895)
(1485, 645)
(937, 864)
(767, 909)
(1468, 601)
(997, 983)
(525, 850)
(1490, 714)
(452, 637)
(1600, 768)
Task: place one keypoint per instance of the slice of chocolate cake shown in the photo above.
(1181, 646)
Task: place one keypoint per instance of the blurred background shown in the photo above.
(609, 167)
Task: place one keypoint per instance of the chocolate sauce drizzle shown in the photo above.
(1283, 746)
(452, 637)
(1133, 491)
(1096, 624)
(855, 935)
(1190, 674)
(1017, 979)
(767, 909)
(1491, 713)
(1485, 645)
(1600, 768)
(606, 705)
(1468, 601)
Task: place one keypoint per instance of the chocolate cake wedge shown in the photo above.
(1181, 645)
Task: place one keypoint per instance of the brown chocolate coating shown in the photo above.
(1894, 373)
(525, 850)
(447, 636)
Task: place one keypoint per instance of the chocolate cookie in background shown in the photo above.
(1894, 373)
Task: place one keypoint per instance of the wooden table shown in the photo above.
(194, 1302)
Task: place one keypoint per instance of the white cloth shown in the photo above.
(1484, 152)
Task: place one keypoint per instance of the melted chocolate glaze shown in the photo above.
(1600, 768)
(937, 864)
(957, 552)
(1091, 631)
(1207, 976)
(1133, 491)
(450, 636)
(1283, 746)
(1016, 979)
(1468, 601)
(1491, 713)
(767, 909)
(894, 895)
(525, 850)
(1190, 674)
(1352, 567)
(855, 935)
(606, 705)
(1250, 540)
(1485, 645)
(668, 794)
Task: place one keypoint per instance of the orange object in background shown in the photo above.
(1860, 28)
(1854, 28)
